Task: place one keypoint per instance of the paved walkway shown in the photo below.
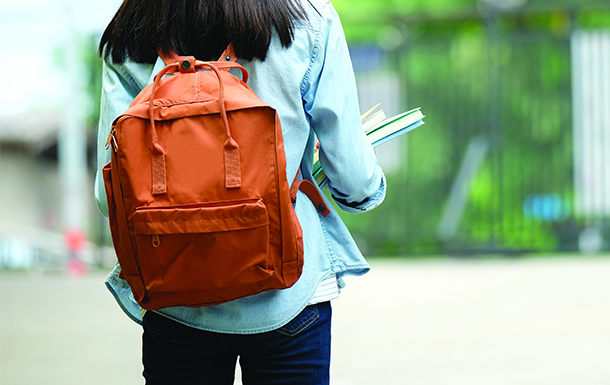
(450, 322)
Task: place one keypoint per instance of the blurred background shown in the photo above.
(513, 161)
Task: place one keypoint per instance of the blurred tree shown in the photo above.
(93, 66)
(364, 20)
(506, 78)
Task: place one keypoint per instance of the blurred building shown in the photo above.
(44, 86)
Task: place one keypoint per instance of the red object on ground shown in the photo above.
(75, 239)
(76, 267)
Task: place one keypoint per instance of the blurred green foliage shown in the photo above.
(506, 79)
(364, 21)
(93, 82)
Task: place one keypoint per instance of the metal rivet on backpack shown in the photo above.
(186, 64)
(321, 208)
(227, 58)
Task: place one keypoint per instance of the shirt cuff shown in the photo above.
(366, 205)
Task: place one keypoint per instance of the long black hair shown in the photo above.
(200, 28)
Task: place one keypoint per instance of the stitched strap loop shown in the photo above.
(231, 148)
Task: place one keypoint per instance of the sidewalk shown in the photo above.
(450, 322)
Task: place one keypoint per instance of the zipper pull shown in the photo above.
(156, 242)
(111, 140)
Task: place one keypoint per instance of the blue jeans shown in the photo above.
(298, 353)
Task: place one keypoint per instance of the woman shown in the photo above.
(298, 62)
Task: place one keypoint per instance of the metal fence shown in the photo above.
(514, 156)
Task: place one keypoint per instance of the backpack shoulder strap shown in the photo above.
(312, 193)
(173, 57)
(228, 55)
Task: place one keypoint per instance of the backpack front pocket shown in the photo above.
(203, 247)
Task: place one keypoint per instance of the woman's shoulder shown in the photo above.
(316, 8)
(320, 10)
(317, 5)
(136, 75)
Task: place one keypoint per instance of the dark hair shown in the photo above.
(200, 28)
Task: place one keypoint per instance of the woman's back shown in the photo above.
(311, 84)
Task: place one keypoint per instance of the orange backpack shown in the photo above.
(200, 207)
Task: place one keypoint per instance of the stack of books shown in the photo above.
(378, 129)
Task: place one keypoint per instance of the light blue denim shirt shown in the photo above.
(311, 84)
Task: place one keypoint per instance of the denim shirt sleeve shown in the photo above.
(331, 102)
(367, 204)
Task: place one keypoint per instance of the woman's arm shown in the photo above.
(355, 180)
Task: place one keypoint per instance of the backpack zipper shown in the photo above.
(112, 140)
(156, 242)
